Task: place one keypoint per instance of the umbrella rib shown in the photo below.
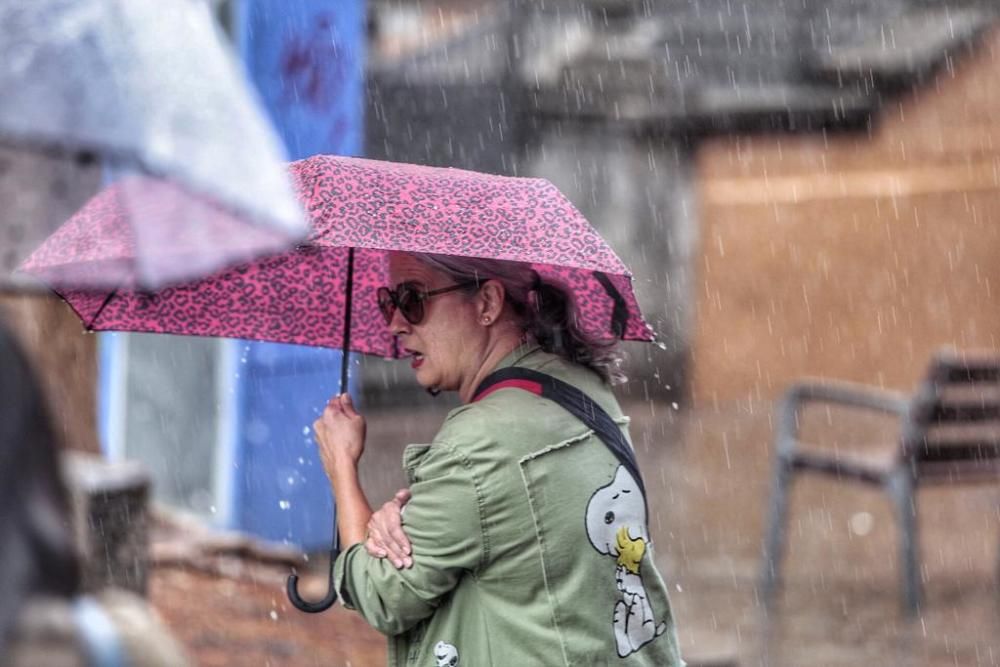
(619, 314)
(107, 299)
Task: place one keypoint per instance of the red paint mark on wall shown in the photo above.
(313, 66)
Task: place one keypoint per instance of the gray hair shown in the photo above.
(546, 310)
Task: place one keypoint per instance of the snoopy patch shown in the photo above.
(616, 527)
(446, 655)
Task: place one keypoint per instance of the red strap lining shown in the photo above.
(527, 385)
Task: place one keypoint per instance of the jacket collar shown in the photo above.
(518, 354)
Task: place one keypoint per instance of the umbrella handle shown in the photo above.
(292, 586)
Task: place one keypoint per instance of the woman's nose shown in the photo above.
(398, 324)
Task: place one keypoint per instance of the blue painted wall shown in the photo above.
(306, 58)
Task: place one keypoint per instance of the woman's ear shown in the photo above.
(491, 299)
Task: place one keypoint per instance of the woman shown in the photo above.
(529, 540)
(44, 619)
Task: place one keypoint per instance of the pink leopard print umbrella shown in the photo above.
(371, 207)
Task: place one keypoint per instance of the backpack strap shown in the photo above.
(98, 634)
(575, 402)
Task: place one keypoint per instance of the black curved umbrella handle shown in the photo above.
(292, 586)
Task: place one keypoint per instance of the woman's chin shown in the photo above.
(423, 379)
(429, 380)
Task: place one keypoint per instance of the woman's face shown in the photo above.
(448, 344)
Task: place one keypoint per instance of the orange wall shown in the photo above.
(853, 256)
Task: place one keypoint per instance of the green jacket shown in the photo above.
(529, 543)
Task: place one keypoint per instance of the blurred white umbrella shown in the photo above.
(146, 87)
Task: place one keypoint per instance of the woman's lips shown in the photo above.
(418, 360)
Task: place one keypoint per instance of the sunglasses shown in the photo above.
(409, 299)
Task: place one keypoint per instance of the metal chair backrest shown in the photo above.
(952, 433)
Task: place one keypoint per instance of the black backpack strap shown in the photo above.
(572, 399)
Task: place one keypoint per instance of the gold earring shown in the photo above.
(486, 320)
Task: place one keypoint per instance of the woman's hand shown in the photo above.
(340, 435)
(385, 537)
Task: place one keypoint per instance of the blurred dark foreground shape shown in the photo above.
(54, 611)
(949, 434)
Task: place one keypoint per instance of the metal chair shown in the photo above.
(950, 434)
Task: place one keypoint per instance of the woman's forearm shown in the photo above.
(340, 436)
(353, 510)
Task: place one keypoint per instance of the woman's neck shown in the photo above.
(496, 351)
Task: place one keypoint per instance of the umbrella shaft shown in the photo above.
(345, 360)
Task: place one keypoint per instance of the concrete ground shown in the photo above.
(707, 472)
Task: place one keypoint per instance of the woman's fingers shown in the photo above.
(385, 529)
(400, 541)
(385, 537)
(396, 551)
(340, 435)
(396, 525)
(378, 548)
(347, 405)
(374, 549)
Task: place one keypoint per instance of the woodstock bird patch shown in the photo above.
(616, 527)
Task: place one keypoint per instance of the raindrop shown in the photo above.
(861, 523)
(305, 430)
(284, 504)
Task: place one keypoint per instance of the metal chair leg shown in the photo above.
(901, 488)
(774, 541)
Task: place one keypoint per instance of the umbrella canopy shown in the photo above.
(367, 208)
(147, 87)
(324, 292)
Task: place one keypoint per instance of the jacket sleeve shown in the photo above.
(443, 521)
